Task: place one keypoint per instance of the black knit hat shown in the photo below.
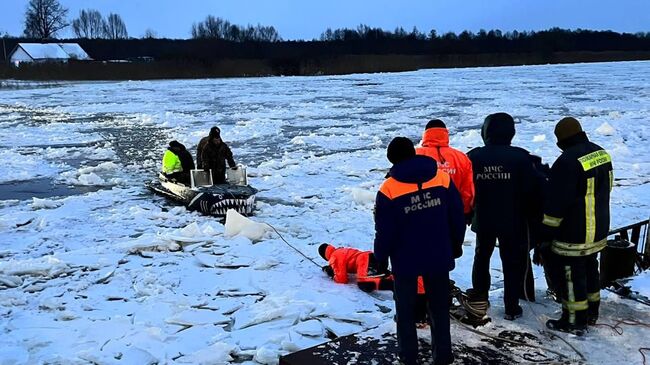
(215, 132)
(567, 128)
(400, 149)
(436, 123)
(322, 249)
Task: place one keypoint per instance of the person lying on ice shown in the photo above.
(371, 275)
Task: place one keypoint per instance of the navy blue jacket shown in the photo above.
(506, 183)
(419, 220)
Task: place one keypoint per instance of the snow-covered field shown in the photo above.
(110, 274)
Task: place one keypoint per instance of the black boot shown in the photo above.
(513, 314)
(564, 326)
(592, 313)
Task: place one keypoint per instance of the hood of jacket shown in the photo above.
(417, 169)
(435, 137)
(176, 146)
(498, 131)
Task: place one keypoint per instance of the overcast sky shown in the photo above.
(307, 19)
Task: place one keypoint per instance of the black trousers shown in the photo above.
(514, 255)
(182, 177)
(437, 293)
(577, 281)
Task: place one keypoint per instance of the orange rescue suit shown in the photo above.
(435, 144)
(344, 261)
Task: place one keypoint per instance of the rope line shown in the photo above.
(295, 249)
(642, 354)
(481, 333)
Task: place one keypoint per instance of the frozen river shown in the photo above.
(74, 210)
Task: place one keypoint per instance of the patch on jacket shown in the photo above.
(422, 201)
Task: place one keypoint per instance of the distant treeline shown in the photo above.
(363, 40)
(343, 51)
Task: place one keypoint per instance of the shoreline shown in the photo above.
(297, 66)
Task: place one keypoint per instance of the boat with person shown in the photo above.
(208, 198)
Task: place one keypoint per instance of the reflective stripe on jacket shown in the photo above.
(435, 144)
(171, 163)
(577, 204)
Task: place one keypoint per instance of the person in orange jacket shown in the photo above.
(371, 275)
(435, 144)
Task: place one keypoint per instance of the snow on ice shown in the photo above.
(96, 269)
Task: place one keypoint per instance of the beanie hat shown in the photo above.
(435, 123)
(400, 149)
(322, 249)
(215, 132)
(567, 128)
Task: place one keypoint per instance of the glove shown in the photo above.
(327, 269)
(235, 167)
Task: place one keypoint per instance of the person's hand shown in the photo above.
(327, 269)
(235, 167)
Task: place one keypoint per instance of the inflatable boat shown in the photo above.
(208, 198)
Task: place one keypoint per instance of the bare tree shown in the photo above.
(217, 28)
(44, 18)
(90, 24)
(211, 27)
(150, 34)
(115, 27)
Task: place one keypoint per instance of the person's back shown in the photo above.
(581, 181)
(344, 261)
(503, 175)
(177, 162)
(576, 222)
(419, 225)
(504, 179)
(435, 144)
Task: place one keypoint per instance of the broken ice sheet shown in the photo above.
(193, 317)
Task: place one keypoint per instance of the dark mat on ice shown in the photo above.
(358, 349)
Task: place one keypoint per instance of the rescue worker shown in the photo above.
(212, 154)
(370, 274)
(435, 144)
(177, 163)
(419, 225)
(576, 219)
(343, 261)
(504, 181)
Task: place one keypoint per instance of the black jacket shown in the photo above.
(576, 211)
(505, 182)
(213, 156)
(187, 161)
